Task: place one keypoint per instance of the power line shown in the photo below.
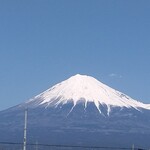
(71, 146)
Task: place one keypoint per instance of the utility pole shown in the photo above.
(25, 130)
(36, 145)
(133, 147)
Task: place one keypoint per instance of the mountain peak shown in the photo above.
(80, 77)
(87, 89)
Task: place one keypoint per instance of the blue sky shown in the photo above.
(43, 42)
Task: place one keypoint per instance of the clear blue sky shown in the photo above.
(43, 42)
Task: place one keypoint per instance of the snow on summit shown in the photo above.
(87, 89)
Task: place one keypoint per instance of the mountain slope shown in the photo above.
(86, 89)
(79, 111)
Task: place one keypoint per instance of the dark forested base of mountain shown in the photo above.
(54, 126)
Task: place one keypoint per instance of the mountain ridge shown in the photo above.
(52, 121)
(86, 89)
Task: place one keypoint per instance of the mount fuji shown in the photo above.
(79, 111)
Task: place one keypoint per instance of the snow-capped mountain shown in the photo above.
(88, 90)
(79, 111)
